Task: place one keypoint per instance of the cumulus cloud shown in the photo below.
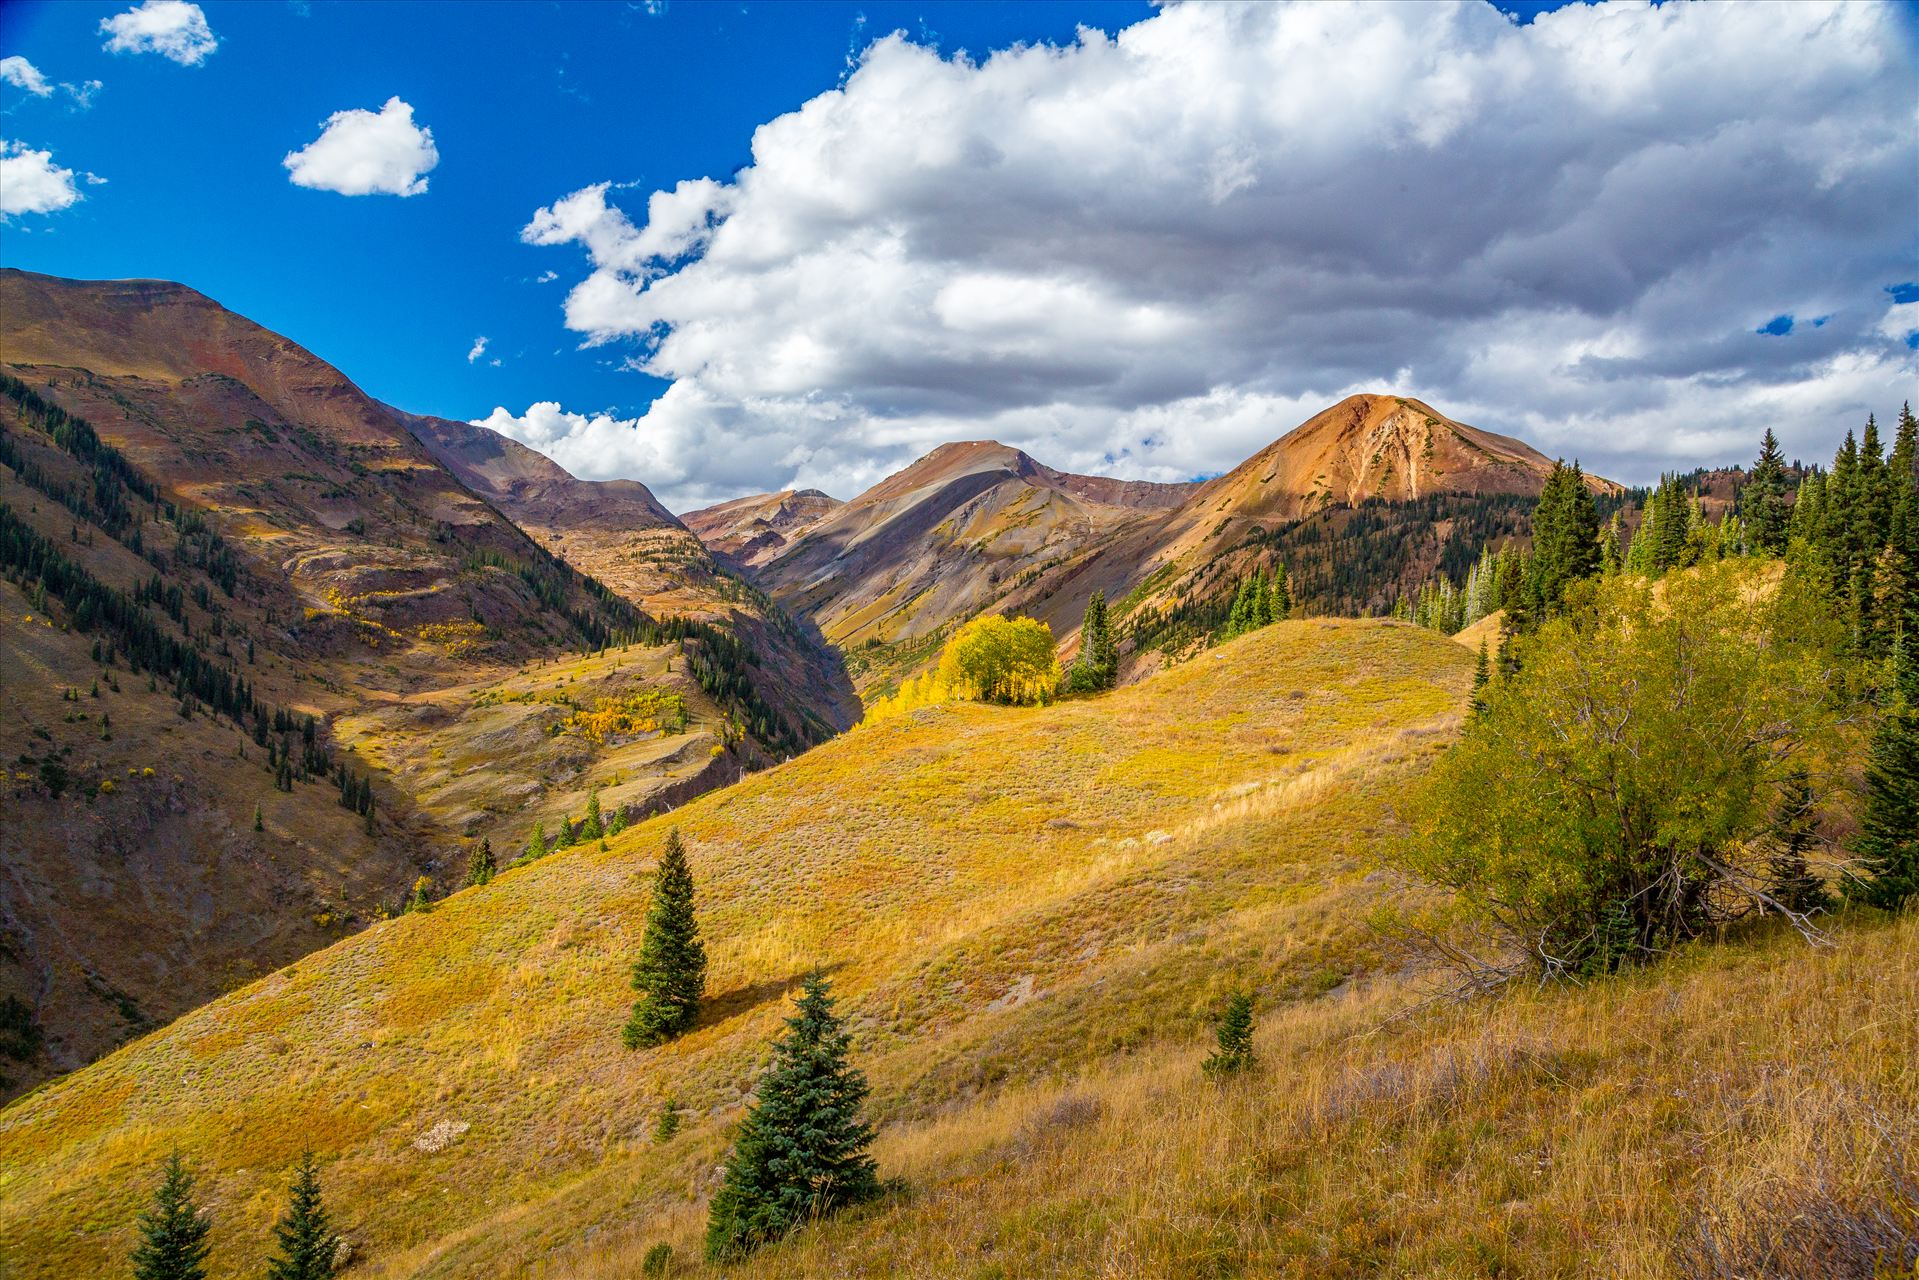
(30, 182)
(174, 29)
(1151, 254)
(21, 74)
(479, 349)
(361, 153)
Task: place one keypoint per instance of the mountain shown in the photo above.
(268, 661)
(751, 530)
(1399, 489)
(616, 531)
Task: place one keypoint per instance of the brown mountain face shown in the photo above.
(752, 530)
(616, 531)
(207, 536)
(947, 538)
(978, 526)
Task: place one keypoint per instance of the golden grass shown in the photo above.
(1030, 916)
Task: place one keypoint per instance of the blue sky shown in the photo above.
(525, 102)
(1146, 247)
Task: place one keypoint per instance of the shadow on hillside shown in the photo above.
(731, 1004)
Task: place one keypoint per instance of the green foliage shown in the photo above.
(658, 1260)
(1261, 600)
(1098, 665)
(307, 1243)
(1887, 845)
(1792, 884)
(671, 970)
(667, 1126)
(1764, 500)
(1630, 765)
(173, 1234)
(479, 863)
(1235, 1035)
(1565, 536)
(1482, 676)
(594, 828)
(801, 1150)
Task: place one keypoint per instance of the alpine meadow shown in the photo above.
(999, 641)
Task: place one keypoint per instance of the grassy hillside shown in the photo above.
(1002, 895)
(1030, 917)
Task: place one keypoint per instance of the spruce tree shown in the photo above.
(801, 1150)
(671, 971)
(173, 1235)
(1098, 664)
(1482, 675)
(1791, 881)
(594, 828)
(1282, 594)
(1764, 503)
(307, 1243)
(479, 865)
(536, 847)
(259, 821)
(1235, 1035)
(1887, 845)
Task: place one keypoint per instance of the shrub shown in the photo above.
(1613, 797)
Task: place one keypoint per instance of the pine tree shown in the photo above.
(259, 819)
(307, 1244)
(801, 1150)
(1282, 596)
(671, 971)
(479, 864)
(1887, 845)
(173, 1235)
(1235, 1035)
(419, 901)
(1482, 676)
(1766, 511)
(1565, 535)
(594, 828)
(1098, 665)
(1791, 881)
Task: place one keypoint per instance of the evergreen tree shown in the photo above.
(307, 1244)
(173, 1235)
(1791, 880)
(1098, 664)
(1565, 536)
(1235, 1034)
(479, 864)
(566, 837)
(671, 971)
(594, 828)
(1482, 675)
(419, 901)
(1887, 845)
(1282, 595)
(536, 847)
(259, 820)
(801, 1150)
(1765, 505)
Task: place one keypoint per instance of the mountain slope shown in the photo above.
(751, 530)
(978, 526)
(235, 585)
(618, 532)
(999, 895)
(1030, 975)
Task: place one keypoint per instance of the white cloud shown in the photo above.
(479, 349)
(1150, 254)
(174, 29)
(21, 74)
(30, 182)
(360, 153)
